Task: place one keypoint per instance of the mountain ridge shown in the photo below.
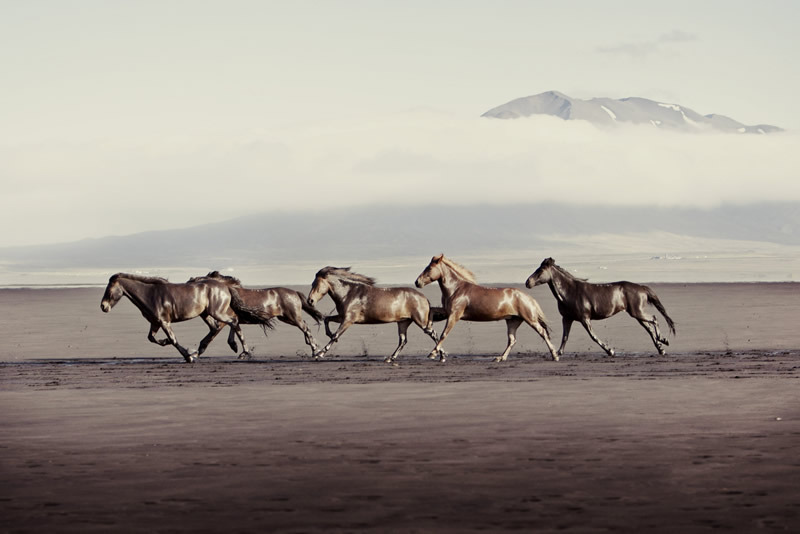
(605, 111)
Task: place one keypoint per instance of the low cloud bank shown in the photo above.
(65, 191)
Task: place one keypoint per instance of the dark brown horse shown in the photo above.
(358, 301)
(280, 303)
(579, 300)
(464, 299)
(163, 303)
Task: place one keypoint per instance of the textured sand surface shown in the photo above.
(102, 431)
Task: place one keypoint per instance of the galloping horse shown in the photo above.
(464, 299)
(358, 301)
(280, 303)
(163, 303)
(579, 300)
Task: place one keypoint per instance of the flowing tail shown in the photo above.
(249, 314)
(653, 299)
(309, 309)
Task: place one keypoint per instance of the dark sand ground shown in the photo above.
(102, 431)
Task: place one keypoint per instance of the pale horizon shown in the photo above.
(123, 118)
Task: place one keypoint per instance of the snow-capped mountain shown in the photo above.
(607, 111)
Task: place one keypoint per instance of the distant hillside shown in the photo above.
(607, 111)
(386, 232)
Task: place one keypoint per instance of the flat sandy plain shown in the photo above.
(102, 431)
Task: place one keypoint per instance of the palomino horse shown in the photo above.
(358, 301)
(579, 300)
(163, 303)
(464, 299)
(280, 303)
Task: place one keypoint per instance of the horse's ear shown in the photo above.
(549, 261)
(437, 259)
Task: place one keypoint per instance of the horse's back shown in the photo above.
(496, 303)
(391, 304)
(611, 298)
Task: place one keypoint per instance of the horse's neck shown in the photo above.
(138, 292)
(449, 283)
(561, 286)
(339, 292)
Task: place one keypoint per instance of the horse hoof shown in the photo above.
(612, 353)
(555, 357)
(432, 356)
(442, 359)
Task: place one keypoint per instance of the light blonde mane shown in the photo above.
(460, 270)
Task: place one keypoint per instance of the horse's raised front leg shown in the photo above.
(343, 326)
(331, 319)
(512, 324)
(190, 357)
(154, 328)
(587, 324)
(402, 334)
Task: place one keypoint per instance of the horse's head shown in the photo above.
(431, 273)
(112, 295)
(542, 275)
(320, 286)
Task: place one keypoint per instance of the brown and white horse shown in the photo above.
(582, 301)
(358, 301)
(163, 303)
(464, 299)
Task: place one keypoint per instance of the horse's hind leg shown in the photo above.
(214, 328)
(533, 316)
(652, 329)
(246, 354)
(587, 324)
(310, 341)
(427, 327)
(233, 321)
(512, 325)
(402, 334)
(650, 323)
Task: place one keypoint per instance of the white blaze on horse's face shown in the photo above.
(319, 289)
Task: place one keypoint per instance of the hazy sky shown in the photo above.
(118, 117)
